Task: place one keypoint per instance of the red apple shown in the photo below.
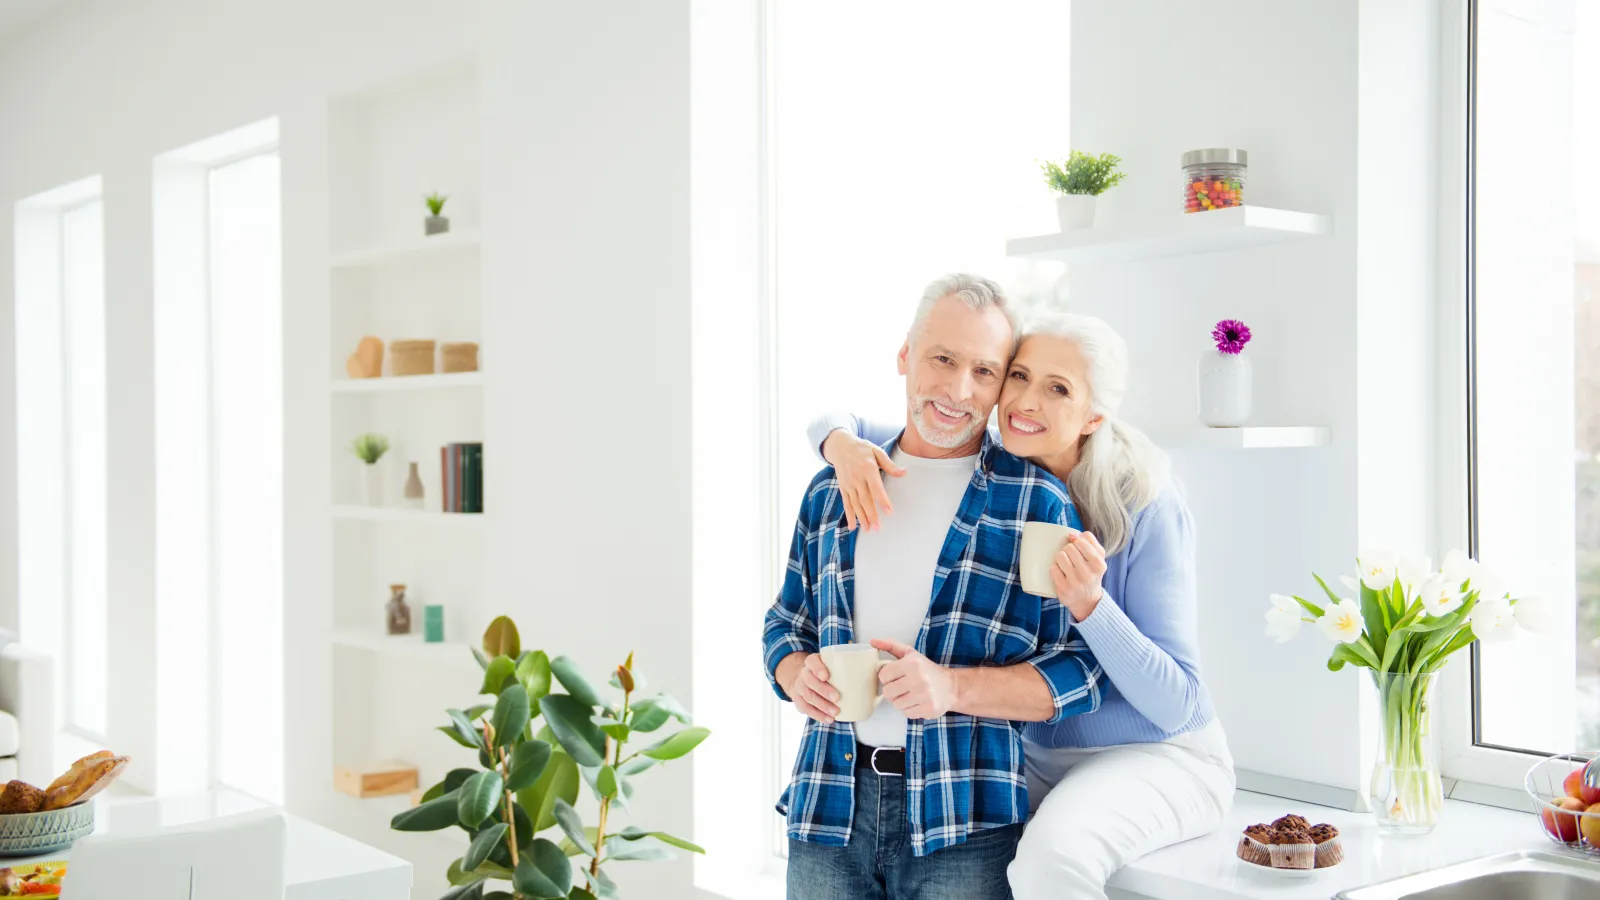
(1589, 826)
(1575, 787)
(1563, 828)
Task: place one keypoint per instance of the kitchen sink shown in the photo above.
(1523, 875)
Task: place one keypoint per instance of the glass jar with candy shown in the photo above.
(1213, 179)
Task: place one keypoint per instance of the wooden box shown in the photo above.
(379, 779)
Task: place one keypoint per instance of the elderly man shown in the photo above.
(926, 798)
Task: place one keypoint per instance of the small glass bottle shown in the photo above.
(397, 612)
(1213, 179)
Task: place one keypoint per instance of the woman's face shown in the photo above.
(1044, 406)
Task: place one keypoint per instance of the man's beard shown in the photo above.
(937, 433)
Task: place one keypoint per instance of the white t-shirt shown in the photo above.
(894, 566)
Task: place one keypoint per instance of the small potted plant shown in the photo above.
(1079, 181)
(369, 448)
(435, 223)
(1225, 377)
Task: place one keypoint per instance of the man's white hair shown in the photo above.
(975, 291)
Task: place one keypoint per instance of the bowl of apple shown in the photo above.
(1568, 809)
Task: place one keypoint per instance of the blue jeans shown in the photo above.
(878, 865)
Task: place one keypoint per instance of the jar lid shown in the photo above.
(1215, 155)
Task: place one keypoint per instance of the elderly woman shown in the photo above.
(1152, 766)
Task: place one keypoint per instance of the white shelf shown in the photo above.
(411, 646)
(402, 514)
(387, 383)
(1179, 234)
(465, 239)
(1249, 437)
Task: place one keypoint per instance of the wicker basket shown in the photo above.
(460, 357)
(411, 358)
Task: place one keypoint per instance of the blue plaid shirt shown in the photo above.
(963, 773)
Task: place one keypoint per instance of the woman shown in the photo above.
(1152, 766)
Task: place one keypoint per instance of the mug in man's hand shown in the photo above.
(853, 672)
(1041, 541)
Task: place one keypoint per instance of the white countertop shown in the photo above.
(1207, 869)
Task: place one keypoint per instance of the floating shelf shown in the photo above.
(446, 381)
(403, 514)
(409, 646)
(423, 246)
(1249, 437)
(1176, 235)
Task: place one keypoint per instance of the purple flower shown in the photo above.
(1231, 335)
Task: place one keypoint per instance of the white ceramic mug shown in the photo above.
(1041, 541)
(853, 672)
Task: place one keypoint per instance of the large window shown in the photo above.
(896, 156)
(61, 435)
(1534, 364)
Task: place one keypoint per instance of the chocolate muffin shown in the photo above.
(1254, 843)
(1292, 822)
(1292, 849)
(1329, 852)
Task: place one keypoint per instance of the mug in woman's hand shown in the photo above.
(853, 672)
(1041, 541)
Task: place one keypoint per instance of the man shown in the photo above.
(925, 799)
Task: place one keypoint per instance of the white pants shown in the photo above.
(1095, 810)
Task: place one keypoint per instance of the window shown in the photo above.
(893, 162)
(1533, 370)
(61, 415)
(219, 464)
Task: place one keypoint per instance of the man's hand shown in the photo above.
(805, 679)
(915, 684)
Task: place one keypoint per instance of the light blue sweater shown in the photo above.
(1142, 631)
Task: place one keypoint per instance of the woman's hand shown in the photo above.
(1079, 567)
(859, 465)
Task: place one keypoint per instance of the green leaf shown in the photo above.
(624, 794)
(636, 765)
(450, 732)
(501, 639)
(524, 827)
(527, 764)
(1333, 598)
(601, 884)
(473, 712)
(648, 719)
(544, 872)
(533, 670)
(566, 672)
(483, 660)
(458, 876)
(572, 824)
(634, 833)
(478, 797)
(484, 844)
(572, 849)
(470, 891)
(1315, 610)
(617, 730)
(579, 893)
(569, 719)
(666, 702)
(435, 815)
(492, 869)
(1376, 618)
(678, 744)
(511, 715)
(499, 895)
(558, 782)
(1348, 653)
(501, 669)
(621, 850)
(465, 728)
(453, 779)
(606, 781)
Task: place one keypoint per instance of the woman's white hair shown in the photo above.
(1120, 470)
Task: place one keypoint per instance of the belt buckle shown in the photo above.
(873, 761)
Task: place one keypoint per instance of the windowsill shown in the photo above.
(1207, 869)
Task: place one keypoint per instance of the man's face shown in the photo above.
(954, 368)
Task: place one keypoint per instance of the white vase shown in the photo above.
(1076, 211)
(1224, 389)
(371, 484)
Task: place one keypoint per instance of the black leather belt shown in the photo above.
(883, 760)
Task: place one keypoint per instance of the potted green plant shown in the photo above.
(527, 775)
(1079, 180)
(369, 448)
(435, 223)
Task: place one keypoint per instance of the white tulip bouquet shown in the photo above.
(1408, 621)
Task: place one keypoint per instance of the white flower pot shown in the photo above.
(1224, 389)
(1076, 211)
(371, 483)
